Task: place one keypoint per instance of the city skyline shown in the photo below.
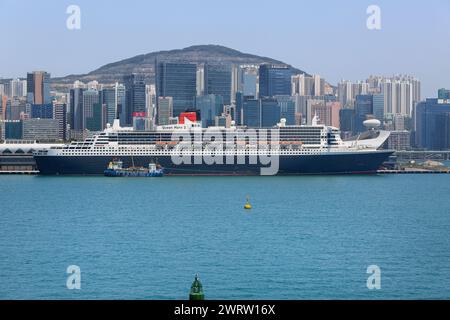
(403, 45)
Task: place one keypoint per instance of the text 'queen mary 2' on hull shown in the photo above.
(291, 150)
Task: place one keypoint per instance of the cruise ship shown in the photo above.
(189, 149)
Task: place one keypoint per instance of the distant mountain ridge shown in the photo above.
(145, 63)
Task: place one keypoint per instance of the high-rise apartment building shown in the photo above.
(18, 88)
(401, 94)
(347, 92)
(319, 85)
(303, 85)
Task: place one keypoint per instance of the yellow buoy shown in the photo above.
(248, 206)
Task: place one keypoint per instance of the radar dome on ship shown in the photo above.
(372, 123)
(282, 122)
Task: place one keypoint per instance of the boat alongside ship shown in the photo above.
(116, 169)
(299, 150)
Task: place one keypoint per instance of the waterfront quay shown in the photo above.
(403, 156)
(24, 163)
(32, 172)
(13, 163)
(413, 171)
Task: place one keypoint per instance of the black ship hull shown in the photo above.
(327, 163)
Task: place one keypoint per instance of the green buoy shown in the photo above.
(196, 290)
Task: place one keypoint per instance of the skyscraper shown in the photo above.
(378, 106)
(270, 112)
(18, 88)
(218, 81)
(200, 86)
(179, 81)
(38, 87)
(319, 85)
(239, 102)
(314, 105)
(347, 92)
(3, 103)
(60, 114)
(444, 94)
(322, 111)
(250, 81)
(335, 108)
(347, 120)
(401, 94)
(42, 111)
(11, 129)
(76, 109)
(304, 85)
(109, 100)
(14, 108)
(120, 102)
(97, 121)
(91, 100)
(287, 109)
(165, 110)
(274, 80)
(251, 112)
(134, 96)
(363, 108)
(237, 81)
(433, 124)
(40, 129)
(210, 106)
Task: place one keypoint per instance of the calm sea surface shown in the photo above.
(306, 237)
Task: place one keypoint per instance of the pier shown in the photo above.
(423, 155)
(31, 172)
(413, 171)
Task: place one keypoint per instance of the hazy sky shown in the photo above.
(329, 38)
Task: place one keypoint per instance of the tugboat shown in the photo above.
(115, 169)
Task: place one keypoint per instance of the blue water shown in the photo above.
(306, 237)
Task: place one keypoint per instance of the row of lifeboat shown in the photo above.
(295, 143)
